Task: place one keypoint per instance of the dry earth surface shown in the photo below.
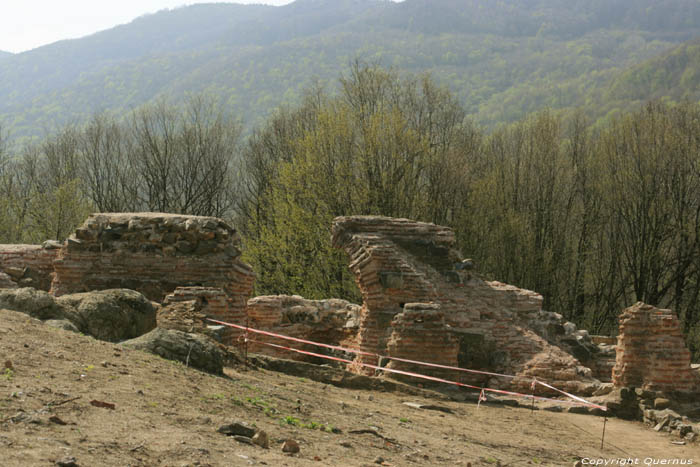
(167, 414)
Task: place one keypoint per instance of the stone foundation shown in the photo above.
(154, 254)
(651, 352)
(400, 261)
(27, 265)
(333, 322)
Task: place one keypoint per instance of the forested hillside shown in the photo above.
(501, 59)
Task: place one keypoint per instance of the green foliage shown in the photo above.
(386, 145)
(592, 220)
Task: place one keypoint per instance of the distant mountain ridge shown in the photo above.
(502, 58)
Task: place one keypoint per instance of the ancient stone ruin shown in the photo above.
(332, 321)
(188, 309)
(651, 352)
(27, 265)
(152, 253)
(420, 301)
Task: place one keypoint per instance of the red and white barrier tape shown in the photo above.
(430, 378)
(360, 352)
(576, 400)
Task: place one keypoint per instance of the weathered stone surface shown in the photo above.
(111, 315)
(332, 321)
(188, 308)
(62, 324)
(6, 282)
(419, 333)
(400, 261)
(290, 446)
(134, 251)
(660, 403)
(193, 350)
(36, 303)
(651, 352)
(261, 439)
(237, 429)
(27, 266)
(622, 402)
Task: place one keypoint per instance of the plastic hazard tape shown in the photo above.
(575, 399)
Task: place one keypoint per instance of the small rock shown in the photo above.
(644, 393)
(659, 426)
(243, 439)
(692, 436)
(290, 446)
(56, 420)
(261, 439)
(345, 444)
(603, 389)
(379, 460)
(67, 462)
(554, 408)
(237, 429)
(8, 365)
(578, 464)
(660, 403)
(684, 430)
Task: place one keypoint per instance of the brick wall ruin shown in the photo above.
(187, 309)
(421, 301)
(27, 265)
(398, 262)
(152, 253)
(651, 352)
(331, 321)
(420, 333)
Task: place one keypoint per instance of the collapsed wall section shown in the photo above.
(399, 261)
(27, 265)
(153, 253)
(188, 309)
(333, 321)
(651, 351)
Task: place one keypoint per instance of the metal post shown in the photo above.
(245, 342)
(605, 421)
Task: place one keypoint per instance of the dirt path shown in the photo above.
(166, 414)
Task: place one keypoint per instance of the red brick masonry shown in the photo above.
(651, 352)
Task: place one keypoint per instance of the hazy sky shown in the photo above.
(27, 24)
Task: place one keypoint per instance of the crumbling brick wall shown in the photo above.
(400, 261)
(153, 253)
(191, 306)
(332, 321)
(420, 333)
(27, 265)
(651, 352)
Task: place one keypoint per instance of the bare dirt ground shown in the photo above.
(167, 414)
